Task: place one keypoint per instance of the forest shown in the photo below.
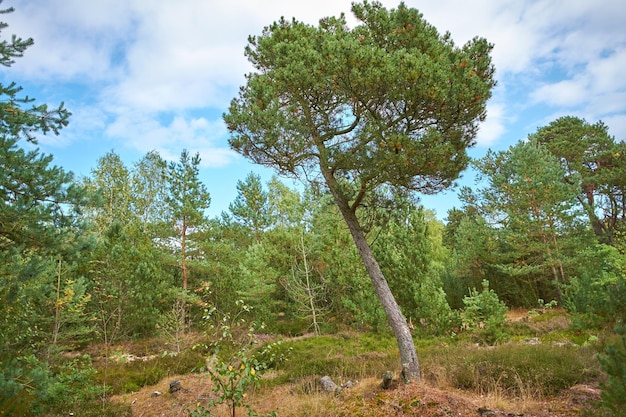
(127, 254)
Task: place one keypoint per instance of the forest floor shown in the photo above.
(367, 398)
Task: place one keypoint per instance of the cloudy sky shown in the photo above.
(142, 75)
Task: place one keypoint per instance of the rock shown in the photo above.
(532, 341)
(348, 384)
(175, 386)
(565, 343)
(387, 379)
(327, 384)
(156, 394)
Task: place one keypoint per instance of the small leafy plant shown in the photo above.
(237, 363)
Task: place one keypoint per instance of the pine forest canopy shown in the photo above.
(390, 102)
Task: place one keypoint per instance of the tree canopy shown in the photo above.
(389, 102)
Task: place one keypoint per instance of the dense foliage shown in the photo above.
(128, 253)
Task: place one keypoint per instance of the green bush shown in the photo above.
(31, 387)
(238, 368)
(613, 362)
(597, 294)
(484, 311)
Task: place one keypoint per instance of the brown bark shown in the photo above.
(183, 263)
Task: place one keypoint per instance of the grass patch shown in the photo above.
(123, 377)
(93, 409)
(343, 356)
(512, 370)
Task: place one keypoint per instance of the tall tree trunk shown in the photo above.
(599, 228)
(408, 356)
(309, 290)
(183, 255)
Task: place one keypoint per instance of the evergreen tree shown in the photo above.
(407, 254)
(38, 206)
(388, 103)
(595, 163)
(250, 207)
(187, 199)
(539, 234)
(126, 269)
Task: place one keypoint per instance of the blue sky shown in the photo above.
(142, 75)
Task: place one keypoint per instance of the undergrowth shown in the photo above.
(510, 370)
(346, 356)
(123, 377)
(514, 369)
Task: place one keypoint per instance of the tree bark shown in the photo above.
(408, 356)
(183, 255)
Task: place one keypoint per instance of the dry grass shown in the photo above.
(366, 399)
(513, 379)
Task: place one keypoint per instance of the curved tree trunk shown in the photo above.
(408, 356)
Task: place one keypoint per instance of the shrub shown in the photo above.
(484, 311)
(31, 387)
(613, 362)
(240, 368)
(597, 294)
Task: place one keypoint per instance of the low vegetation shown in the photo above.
(115, 285)
(543, 363)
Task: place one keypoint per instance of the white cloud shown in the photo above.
(607, 72)
(617, 126)
(73, 38)
(494, 126)
(599, 88)
(144, 133)
(563, 93)
(155, 66)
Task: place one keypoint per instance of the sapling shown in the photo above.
(237, 362)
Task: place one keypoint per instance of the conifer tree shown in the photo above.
(388, 103)
(187, 199)
(37, 207)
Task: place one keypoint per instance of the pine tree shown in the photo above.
(388, 103)
(37, 206)
(187, 199)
